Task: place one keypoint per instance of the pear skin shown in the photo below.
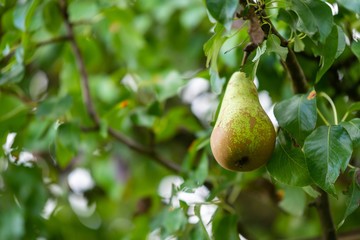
(243, 138)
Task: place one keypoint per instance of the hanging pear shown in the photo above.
(243, 138)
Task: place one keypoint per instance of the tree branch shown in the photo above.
(90, 107)
(323, 209)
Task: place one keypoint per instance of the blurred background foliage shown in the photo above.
(63, 179)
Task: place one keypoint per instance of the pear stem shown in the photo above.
(345, 116)
(322, 94)
(322, 117)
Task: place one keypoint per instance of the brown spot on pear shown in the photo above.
(243, 138)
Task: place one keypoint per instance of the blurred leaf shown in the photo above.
(329, 51)
(311, 191)
(294, 201)
(354, 107)
(175, 119)
(197, 209)
(328, 150)
(12, 225)
(201, 171)
(69, 135)
(355, 48)
(169, 86)
(315, 17)
(80, 10)
(12, 114)
(175, 220)
(297, 115)
(52, 16)
(353, 128)
(273, 45)
(105, 172)
(224, 227)
(27, 186)
(23, 14)
(222, 10)
(352, 5)
(341, 42)
(63, 155)
(353, 201)
(289, 17)
(40, 133)
(216, 82)
(54, 107)
(287, 164)
(211, 49)
(15, 74)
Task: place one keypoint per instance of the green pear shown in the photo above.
(243, 138)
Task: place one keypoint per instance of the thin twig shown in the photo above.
(53, 40)
(90, 107)
(81, 65)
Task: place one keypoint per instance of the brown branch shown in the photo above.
(53, 40)
(90, 107)
(81, 65)
(323, 208)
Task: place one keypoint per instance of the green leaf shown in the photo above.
(216, 82)
(353, 201)
(328, 52)
(79, 10)
(352, 5)
(52, 16)
(224, 227)
(273, 45)
(169, 85)
(15, 74)
(327, 150)
(341, 42)
(250, 68)
(294, 201)
(12, 114)
(27, 186)
(197, 213)
(353, 128)
(54, 107)
(299, 46)
(211, 49)
(289, 17)
(201, 171)
(297, 115)
(355, 48)
(69, 136)
(222, 10)
(23, 14)
(63, 155)
(12, 224)
(311, 191)
(260, 50)
(315, 16)
(354, 107)
(175, 220)
(287, 164)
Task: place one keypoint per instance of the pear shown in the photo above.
(243, 138)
